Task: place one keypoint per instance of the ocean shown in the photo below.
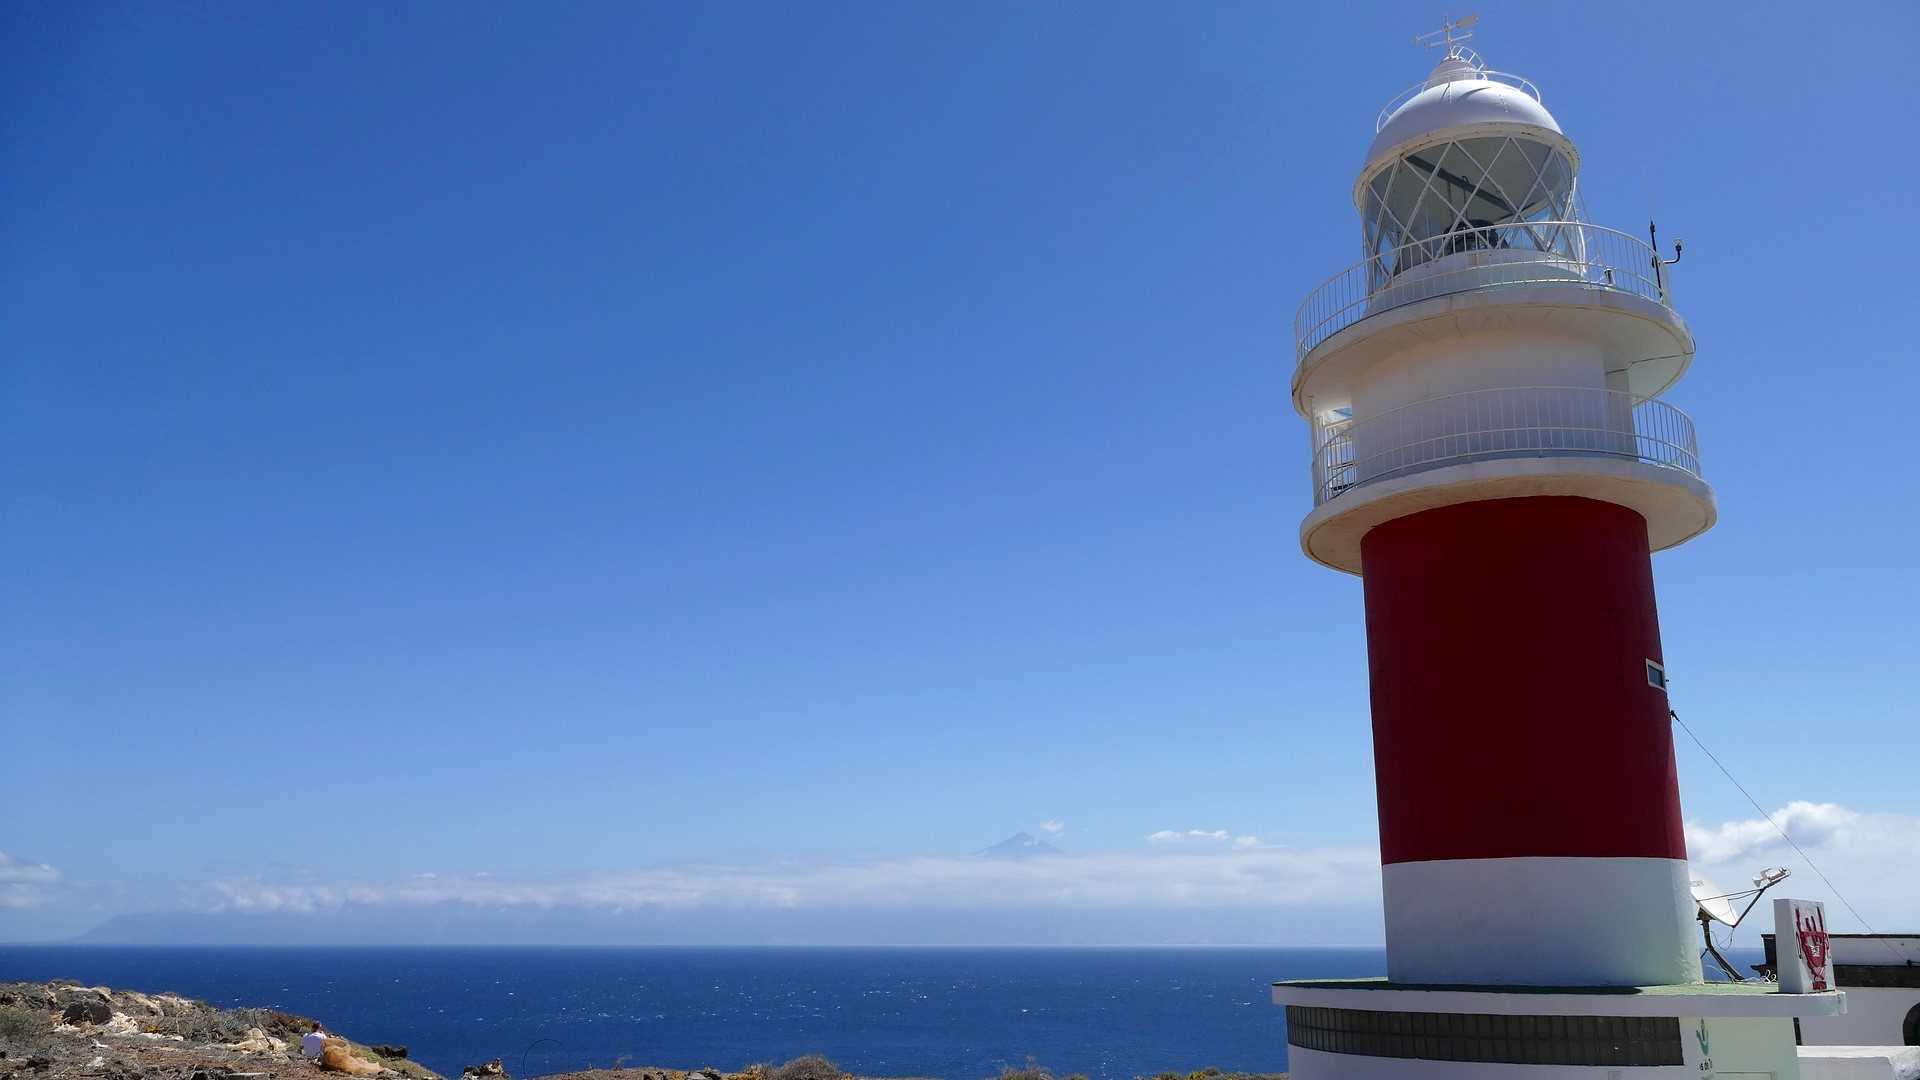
(953, 1013)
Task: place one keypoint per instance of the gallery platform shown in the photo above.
(1745, 1000)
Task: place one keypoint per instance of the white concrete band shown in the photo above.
(1676, 506)
(1875, 1016)
(1647, 336)
(1541, 921)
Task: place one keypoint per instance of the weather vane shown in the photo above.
(1450, 35)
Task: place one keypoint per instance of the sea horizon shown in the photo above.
(959, 1012)
(82, 944)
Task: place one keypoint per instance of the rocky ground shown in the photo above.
(63, 1029)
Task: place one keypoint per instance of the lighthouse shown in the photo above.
(1493, 454)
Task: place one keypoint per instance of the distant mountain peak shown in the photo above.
(1021, 845)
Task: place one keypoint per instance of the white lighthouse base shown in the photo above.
(1505, 921)
(1372, 1028)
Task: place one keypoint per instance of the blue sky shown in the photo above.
(558, 441)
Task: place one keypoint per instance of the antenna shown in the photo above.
(1449, 35)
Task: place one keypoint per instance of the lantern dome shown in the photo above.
(1461, 94)
(1468, 158)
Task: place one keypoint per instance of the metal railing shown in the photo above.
(1479, 257)
(1507, 78)
(1509, 422)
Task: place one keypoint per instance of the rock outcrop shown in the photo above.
(492, 1070)
(51, 1031)
(90, 1011)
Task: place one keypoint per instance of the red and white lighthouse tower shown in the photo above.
(1491, 454)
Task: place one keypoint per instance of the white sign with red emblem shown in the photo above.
(1802, 955)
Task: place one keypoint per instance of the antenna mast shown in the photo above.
(1449, 35)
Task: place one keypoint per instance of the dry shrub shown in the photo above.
(1033, 1070)
(808, 1067)
(18, 1025)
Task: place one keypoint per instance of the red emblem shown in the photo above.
(1812, 931)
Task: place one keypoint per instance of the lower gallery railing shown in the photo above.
(1479, 425)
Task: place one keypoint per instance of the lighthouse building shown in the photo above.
(1492, 454)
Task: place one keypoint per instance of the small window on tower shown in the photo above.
(1656, 676)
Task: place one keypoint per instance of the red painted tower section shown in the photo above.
(1508, 641)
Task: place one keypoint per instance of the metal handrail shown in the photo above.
(1507, 78)
(1475, 257)
(1505, 422)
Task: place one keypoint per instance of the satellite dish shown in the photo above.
(1714, 903)
(1717, 907)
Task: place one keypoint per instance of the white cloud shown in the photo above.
(1872, 858)
(25, 884)
(1174, 836)
(1810, 824)
(1245, 878)
(1056, 826)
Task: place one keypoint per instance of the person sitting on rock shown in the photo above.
(313, 1041)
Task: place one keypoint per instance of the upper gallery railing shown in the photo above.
(1479, 257)
(1506, 422)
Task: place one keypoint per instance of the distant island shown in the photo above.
(1020, 845)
